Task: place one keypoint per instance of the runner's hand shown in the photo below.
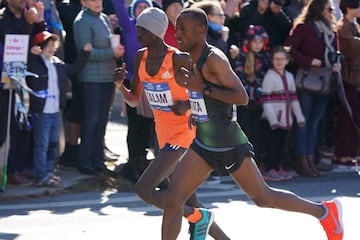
(191, 121)
(192, 79)
(119, 75)
(180, 107)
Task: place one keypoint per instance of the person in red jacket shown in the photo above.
(172, 9)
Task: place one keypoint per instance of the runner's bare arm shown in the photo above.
(217, 70)
(130, 96)
(180, 59)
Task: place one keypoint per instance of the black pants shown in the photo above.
(4, 104)
(140, 135)
(275, 140)
(20, 155)
(250, 123)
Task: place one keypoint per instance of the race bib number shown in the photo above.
(158, 96)
(198, 107)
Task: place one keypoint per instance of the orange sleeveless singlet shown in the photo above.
(162, 91)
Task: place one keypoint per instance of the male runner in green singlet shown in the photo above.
(220, 143)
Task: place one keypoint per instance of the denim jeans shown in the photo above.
(96, 100)
(313, 107)
(46, 137)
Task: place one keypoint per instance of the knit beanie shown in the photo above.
(154, 20)
(135, 3)
(167, 3)
(256, 31)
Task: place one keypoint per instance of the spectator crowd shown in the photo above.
(75, 45)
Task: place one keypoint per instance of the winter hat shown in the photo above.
(154, 20)
(256, 31)
(43, 36)
(135, 3)
(167, 3)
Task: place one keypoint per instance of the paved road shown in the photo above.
(111, 215)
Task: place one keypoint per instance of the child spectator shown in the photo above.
(46, 102)
(280, 104)
(251, 66)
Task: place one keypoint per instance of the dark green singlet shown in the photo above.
(220, 131)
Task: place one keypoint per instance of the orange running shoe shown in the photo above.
(332, 221)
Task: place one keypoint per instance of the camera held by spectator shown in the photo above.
(335, 57)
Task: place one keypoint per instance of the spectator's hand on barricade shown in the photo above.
(119, 75)
(119, 51)
(180, 107)
(88, 47)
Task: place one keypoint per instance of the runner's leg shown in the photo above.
(249, 178)
(191, 172)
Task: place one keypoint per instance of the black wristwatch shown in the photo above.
(207, 90)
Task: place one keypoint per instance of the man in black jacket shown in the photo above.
(267, 13)
(15, 18)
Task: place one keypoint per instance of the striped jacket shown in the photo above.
(279, 100)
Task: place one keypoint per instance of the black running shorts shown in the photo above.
(227, 161)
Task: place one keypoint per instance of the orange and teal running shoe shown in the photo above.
(200, 229)
(332, 221)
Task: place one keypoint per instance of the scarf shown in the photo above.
(328, 37)
(216, 27)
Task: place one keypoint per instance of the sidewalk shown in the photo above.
(116, 141)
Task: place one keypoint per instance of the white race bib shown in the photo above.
(198, 107)
(158, 96)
